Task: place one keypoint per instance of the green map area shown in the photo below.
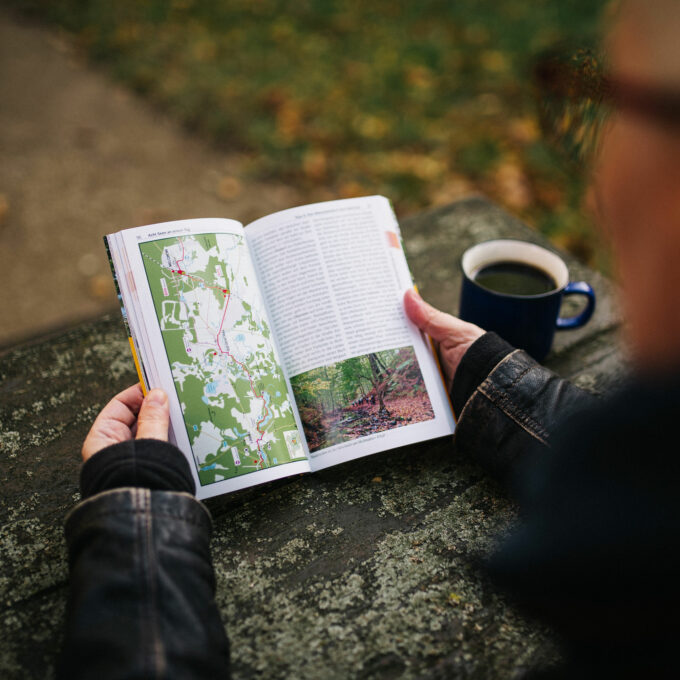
(231, 389)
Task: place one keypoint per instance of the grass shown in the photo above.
(420, 101)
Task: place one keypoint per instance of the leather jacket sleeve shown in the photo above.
(509, 405)
(141, 601)
(599, 511)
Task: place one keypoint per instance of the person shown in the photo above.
(597, 552)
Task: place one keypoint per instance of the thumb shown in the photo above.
(437, 324)
(154, 416)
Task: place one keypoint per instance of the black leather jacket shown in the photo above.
(597, 554)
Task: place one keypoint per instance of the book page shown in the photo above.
(203, 331)
(333, 276)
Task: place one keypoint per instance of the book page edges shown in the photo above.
(138, 367)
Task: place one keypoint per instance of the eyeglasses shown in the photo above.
(576, 97)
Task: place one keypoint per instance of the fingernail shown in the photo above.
(156, 397)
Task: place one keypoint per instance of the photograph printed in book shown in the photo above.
(361, 396)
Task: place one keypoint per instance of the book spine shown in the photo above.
(141, 373)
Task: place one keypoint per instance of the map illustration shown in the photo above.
(233, 396)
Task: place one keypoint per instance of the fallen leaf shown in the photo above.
(101, 287)
(229, 187)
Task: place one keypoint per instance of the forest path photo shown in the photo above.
(361, 396)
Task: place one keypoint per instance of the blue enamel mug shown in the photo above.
(528, 322)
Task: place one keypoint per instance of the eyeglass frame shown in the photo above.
(554, 74)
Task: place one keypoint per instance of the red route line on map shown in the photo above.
(250, 379)
(181, 258)
(229, 354)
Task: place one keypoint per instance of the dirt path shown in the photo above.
(80, 157)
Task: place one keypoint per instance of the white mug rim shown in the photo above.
(514, 250)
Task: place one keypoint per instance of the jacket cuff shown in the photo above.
(99, 512)
(516, 408)
(482, 357)
(146, 463)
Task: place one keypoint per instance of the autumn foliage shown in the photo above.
(423, 102)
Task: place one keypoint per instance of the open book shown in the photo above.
(283, 345)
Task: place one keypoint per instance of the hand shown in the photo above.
(129, 414)
(451, 336)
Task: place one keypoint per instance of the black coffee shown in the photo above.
(514, 278)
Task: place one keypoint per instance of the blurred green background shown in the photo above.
(423, 102)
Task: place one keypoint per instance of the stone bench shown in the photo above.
(366, 570)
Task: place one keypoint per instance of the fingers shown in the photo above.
(127, 411)
(113, 423)
(438, 325)
(154, 416)
(125, 405)
(123, 408)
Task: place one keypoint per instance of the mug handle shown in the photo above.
(578, 288)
